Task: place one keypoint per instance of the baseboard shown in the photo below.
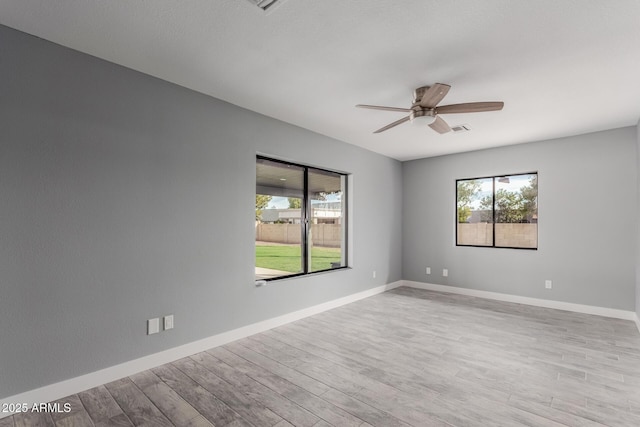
(559, 305)
(84, 382)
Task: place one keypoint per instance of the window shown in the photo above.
(498, 211)
(300, 219)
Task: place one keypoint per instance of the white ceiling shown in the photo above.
(562, 67)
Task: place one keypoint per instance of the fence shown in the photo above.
(516, 235)
(328, 235)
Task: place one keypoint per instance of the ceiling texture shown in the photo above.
(562, 67)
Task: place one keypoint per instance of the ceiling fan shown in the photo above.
(425, 101)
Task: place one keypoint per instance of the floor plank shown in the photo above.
(101, 406)
(206, 403)
(76, 415)
(33, 419)
(170, 403)
(220, 362)
(249, 409)
(138, 408)
(302, 397)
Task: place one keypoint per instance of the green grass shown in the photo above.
(288, 258)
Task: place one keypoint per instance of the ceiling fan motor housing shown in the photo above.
(420, 112)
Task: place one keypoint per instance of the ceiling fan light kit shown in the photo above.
(422, 119)
(425, 110)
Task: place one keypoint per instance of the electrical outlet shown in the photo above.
(428, 270)
(445, 272)
(374, 274)
(153, 326)
(168, 322)
(548, 284)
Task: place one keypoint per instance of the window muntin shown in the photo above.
(499, 211)
(300, 219)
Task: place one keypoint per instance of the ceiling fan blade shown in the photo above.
(390, 125)
(380, 107)
(440, 126)
(434, 95)
(470, 107)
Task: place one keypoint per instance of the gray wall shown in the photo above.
(587, 227)
(125, 198)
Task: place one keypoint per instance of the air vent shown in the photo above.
(461, 128)
(265, 5)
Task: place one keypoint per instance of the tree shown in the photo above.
(295, 203)
(530, 198)
(261, 202)
(486, 209)
(512, 206)
(466, 193)
(509, 207)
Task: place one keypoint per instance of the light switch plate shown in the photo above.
(168, 322)
(153, 326)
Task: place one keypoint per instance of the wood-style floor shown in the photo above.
(407, 357)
